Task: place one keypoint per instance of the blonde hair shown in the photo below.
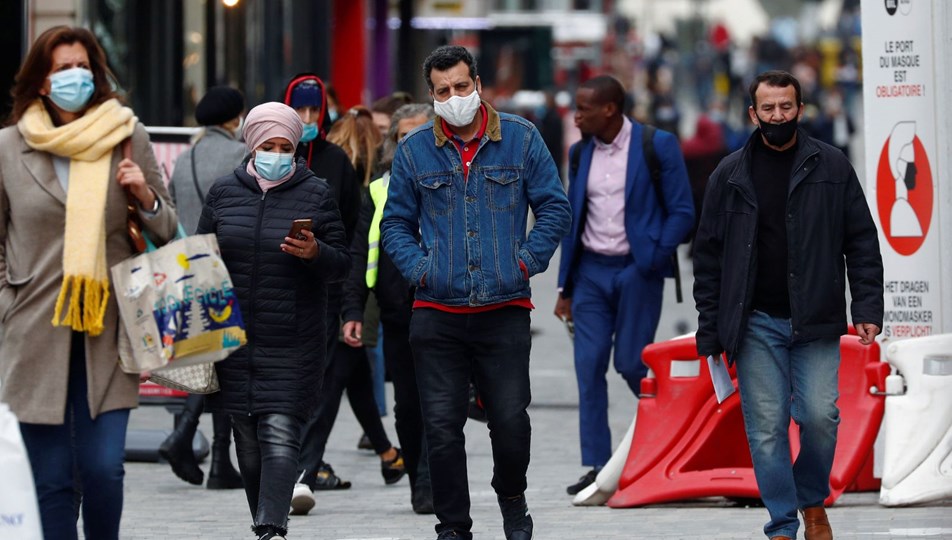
(356, 133)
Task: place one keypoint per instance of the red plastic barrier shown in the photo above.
(687, 446)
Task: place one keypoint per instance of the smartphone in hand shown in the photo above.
(299, 225)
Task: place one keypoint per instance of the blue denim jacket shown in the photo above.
(473, 231)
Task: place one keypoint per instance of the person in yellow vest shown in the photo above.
(373, 270)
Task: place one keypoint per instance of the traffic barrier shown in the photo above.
(917, 462)
(686, 445)
(606, 482)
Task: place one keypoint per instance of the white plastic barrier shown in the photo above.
(917, 464)
(598, 492)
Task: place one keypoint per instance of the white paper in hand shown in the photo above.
(723, 386)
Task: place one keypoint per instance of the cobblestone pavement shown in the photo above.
(160, 506)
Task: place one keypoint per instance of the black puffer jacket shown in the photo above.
(283, 299)
(830, 235)
(394, 294)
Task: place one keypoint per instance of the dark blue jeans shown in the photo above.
(449, 349)
(92, 448)
(780, 379)
(267, 446)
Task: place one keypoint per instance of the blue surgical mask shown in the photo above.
(310, 133)
(273, 165)
(332, 114)
(71, 89)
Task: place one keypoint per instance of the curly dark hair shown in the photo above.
(444, 58)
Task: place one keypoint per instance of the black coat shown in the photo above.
(830, 234)
(393, 292)
(283, 299)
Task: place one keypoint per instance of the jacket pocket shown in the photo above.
(503, 186)
(8, 295)
(437, 193)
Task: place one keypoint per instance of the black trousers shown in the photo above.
(267, 446)
(349, 370)
(408, 420)
(449, 349)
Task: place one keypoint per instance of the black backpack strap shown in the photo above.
(654, 168)
(575, 156)
(654, 164)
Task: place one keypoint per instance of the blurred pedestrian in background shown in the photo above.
(271, 387)
(215, 152)
(71, 160)
(373, 269)
(349, 367)
(383, 108)
(702, 152)
(308, 96)
(356, 133)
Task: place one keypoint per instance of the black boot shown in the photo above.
(222, 474)
(516, 521)
(177, 448)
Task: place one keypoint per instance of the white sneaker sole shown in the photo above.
(302, 500)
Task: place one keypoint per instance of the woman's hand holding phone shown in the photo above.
(300, 240)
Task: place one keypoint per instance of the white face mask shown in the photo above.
(458, 111)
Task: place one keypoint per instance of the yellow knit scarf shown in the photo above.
(88, 142)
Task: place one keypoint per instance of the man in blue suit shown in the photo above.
(617, 254)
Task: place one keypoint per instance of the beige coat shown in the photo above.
(34, 355)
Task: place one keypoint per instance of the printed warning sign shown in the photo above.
(904, 196)
(901, 141)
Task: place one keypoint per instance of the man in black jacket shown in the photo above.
(783, 220)
(374, 270)
(305, 93)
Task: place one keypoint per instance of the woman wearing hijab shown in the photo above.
(268, 387)
(64, 191)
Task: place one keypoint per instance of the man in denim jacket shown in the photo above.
(465, 182)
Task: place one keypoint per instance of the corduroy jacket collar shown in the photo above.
(492, 127)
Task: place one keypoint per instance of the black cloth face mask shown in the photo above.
(778, 134)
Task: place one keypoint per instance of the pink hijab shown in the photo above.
(267, 121)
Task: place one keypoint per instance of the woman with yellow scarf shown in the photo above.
(64, 191)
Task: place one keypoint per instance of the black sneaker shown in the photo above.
(586, 480)
(326, 480)
(516, 521)
(393, 470)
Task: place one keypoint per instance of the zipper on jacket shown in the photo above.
(254, 293)
(797, 177)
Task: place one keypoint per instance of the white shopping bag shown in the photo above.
(19, 513)
(177, 305)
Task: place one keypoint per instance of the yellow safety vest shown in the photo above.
(378, 194)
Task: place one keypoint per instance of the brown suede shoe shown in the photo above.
(816, 525)
(780, 538)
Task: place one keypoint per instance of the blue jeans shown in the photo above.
(92, 448)
(780, 380)
(449, 348)
(267, 446)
